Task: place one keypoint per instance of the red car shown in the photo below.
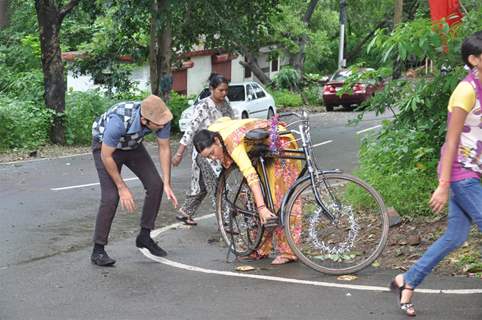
(361, 91)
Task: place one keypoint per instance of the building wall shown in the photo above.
(198, 75)
(237, 70)
(140, 74)
(81, 83)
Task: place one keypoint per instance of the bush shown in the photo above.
(287, 78)
(286, 98)
(312, 94)
(81, 109)
(23, 124)
(177, 104)
(401, 165)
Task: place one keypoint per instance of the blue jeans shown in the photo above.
(465, 208)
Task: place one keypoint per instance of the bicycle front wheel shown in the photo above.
(349, 243)
(236, 214)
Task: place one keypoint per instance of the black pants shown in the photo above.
(139, 162)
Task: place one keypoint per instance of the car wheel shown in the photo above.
(244, 115)
(270, 113)
(329, 108)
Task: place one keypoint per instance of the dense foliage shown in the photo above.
(401, 161)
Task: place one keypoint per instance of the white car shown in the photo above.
(248, 100)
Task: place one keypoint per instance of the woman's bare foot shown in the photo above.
(282, 260)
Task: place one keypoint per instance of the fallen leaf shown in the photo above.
(375, 264)
(245, 268)
(347, 277)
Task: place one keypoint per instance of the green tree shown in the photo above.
(50, 16)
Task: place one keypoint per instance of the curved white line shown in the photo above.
(157, 232)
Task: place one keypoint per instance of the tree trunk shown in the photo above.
(398, 12)
(297, 60)
(3, 13)
(50, 19)
(165, 54)
(252, 64)
(52, 66)
(160, 51)
(154, 48)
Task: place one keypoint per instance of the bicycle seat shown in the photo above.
(257, 135)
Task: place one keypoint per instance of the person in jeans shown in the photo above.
(460, 168)
(117, 141)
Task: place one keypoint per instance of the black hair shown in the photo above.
(471, 45)
(204, 139)
(216, 79)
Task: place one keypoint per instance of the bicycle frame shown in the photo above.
(310, 167)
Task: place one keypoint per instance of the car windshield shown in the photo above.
(341, 75)
(236, 93)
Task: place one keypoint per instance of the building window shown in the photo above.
(247, 71)
(274, 65)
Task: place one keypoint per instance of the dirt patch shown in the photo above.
(44, 152)
(408, 242)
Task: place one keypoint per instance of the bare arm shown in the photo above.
(126, 197)
(456, 125)
(199, 117)
(165, 160)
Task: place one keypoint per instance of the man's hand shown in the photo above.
(439, 199)
(170, 195)
(127, 200)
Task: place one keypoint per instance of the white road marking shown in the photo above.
(157, 232)
(86, 185)
(321, 143)
(369, 129)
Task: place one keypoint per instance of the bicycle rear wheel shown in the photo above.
(236, 213)
(348, 244)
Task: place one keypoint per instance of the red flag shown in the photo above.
(448, 9)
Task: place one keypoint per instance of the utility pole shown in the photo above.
(341, 59)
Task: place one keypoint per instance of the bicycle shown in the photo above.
(344, 224)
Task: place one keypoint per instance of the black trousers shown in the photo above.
(139, 162)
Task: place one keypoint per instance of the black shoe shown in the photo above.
(150, 245)
(101, 259)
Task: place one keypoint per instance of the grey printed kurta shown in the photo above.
(204, 171)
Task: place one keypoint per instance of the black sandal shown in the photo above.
(186, 219)
(405, 307)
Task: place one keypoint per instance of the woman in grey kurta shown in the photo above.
(205, 172)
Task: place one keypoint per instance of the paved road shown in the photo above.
(45, 272)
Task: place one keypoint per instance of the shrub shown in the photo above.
(286, 98)
(23, 124)
(287, 78)
(401, 165)
(80, 112)
(177, 104)
(312, 94)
